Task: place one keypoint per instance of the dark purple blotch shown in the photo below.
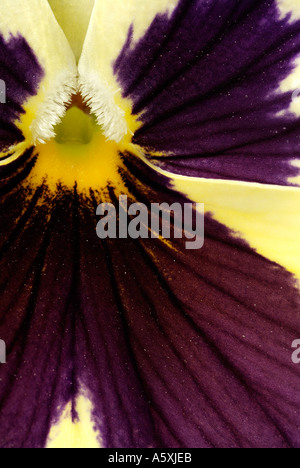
(206, 80)
(21, 73)
(174, 348)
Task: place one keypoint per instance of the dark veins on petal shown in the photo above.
(176, 348)
(21, 72)
(206, 81)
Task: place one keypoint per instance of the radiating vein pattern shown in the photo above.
(206, 85)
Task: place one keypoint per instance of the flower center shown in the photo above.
(76, 127)
(79, 154)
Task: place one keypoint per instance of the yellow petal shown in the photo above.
(291, 7)
(35, 22)
(266, 216)
(108, 30)
(69, 434)
(74, 17)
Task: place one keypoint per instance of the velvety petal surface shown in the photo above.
(205, 82)
(174, 348)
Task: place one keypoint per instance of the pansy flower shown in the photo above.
(141, 342)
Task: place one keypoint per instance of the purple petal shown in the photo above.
(207, 83)
(176, 348)
(21, 73)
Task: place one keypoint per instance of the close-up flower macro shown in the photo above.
(120, 326)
